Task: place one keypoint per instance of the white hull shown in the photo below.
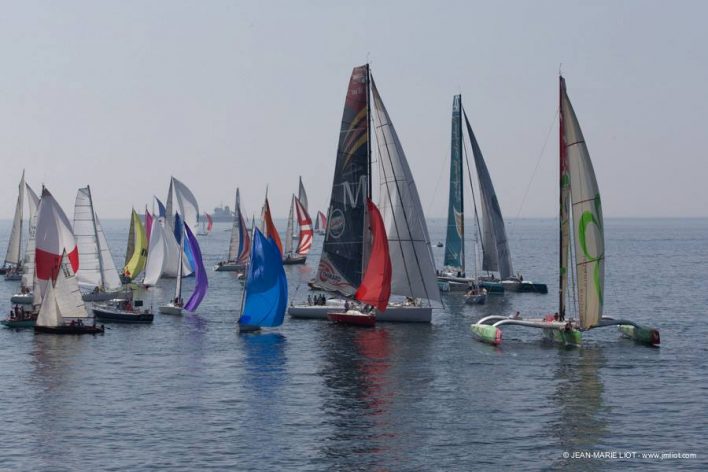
(394, 313)
(170, 309)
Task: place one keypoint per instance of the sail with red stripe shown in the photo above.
(53, 238)
(305, 223)
(210, 222)
(375, 288)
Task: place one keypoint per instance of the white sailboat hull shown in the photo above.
(22, 298)
(394, 313)
(170, 309)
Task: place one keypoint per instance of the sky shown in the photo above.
(223, 94)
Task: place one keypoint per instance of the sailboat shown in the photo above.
(239, 245)
(297, 255)
(164, 256)
(176, 305)
(12, 265)
(97, 271)
(581, 241)
(320, 223)
(343, 260)
(375, 288)
(266, 290)
(56, 290)
(136, 252)
(25, 296)
(205, 225)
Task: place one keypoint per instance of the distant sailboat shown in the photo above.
(581, 222)
(97, 270)
(25, 296)
(320, 223)
(56, 290)
(205, 225)
(176, 305)
(240, 243)
(266, 291)
(136, 252)
(12, 266)
(298, 214)
(346, 246)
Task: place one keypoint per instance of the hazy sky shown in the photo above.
(122, 94)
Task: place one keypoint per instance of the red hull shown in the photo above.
(356, 319)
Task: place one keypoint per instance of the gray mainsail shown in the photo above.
(495, 247)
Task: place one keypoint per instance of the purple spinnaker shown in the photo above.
(201, 283)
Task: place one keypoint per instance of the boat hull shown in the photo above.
(479, 299)
(494, 288)
(456, 284)
(115, 316)
(524, 286)
(640, 334)
(393, 313)
(170, 309)
(13, 277)
(69, 329)
(230, 267)
(104, 296)
(353, 318)
(294, 259)
(22, 299)
(18, 324)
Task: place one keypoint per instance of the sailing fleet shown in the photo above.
(376, 262)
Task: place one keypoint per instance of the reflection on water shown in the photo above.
(355, 372)
(578, 426)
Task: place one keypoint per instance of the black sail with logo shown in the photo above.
(340, 267)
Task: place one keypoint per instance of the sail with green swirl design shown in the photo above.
(587, 229)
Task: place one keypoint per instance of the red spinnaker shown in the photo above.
(375, 288)
(270, 229)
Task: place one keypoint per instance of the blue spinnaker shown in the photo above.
(266, 285)
(201, 283)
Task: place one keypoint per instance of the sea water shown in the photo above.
(190, 393)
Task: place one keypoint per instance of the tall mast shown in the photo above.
(178, 286)
(95, 235)
(365, 259)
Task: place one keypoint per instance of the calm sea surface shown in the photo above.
(189, 393)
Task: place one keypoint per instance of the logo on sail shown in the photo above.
(337, 223)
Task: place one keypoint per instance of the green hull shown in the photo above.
(487, 333)
(641, 334)
(18, 324)
(566, 338)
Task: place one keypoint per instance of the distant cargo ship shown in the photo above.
(223, 214)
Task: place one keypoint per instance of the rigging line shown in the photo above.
(405, 215)
(437, 185)
(538, 162)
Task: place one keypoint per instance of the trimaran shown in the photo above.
(581, 223)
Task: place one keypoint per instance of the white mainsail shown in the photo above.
(587, 216)
(28, 261)
(13, 255)
(156, 254)
(188, 206)
(409, 243)
(48, 310)
(96, 268)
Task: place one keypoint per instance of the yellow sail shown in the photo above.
(138, 240)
